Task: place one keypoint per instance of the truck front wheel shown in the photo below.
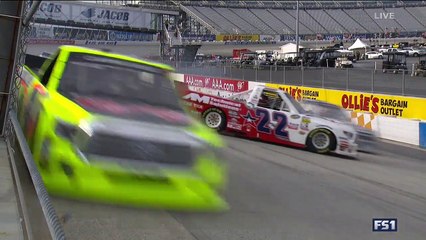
(321, 141)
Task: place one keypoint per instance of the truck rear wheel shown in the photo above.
(215, 118)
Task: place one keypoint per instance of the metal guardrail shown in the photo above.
(52, 220)
(365, 79)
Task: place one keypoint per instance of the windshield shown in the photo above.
(326, 110)
(295, 103)
(117, 80)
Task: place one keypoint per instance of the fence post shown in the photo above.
(413, 69)
(403, 82)
(284, 74)
(303, 77)
(347, 79)
(270, 73)
(373, 73)
(323, 78)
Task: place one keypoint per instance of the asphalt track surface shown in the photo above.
(360, 78)
(277, 192)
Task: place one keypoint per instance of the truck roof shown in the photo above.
(78, 49)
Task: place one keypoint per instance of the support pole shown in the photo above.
(297, 29)
(31, 12)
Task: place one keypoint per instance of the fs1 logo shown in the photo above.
(385, 225)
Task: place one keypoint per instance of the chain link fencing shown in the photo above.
(369, 79)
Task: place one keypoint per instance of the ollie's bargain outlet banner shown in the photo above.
(378, 104)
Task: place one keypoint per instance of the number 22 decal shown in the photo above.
(281, 118)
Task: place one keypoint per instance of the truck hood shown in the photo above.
(136, 112)
(348, 126)
(143, 130)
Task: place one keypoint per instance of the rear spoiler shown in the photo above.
(34, 62)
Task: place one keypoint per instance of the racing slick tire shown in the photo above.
(214, 118)
(321, 141)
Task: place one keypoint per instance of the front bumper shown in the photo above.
(367, 144)
(347, 148)
(158, 187)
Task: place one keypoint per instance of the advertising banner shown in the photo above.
(130, 36)
(299, 92)
(270, 38)
(230, 85)
(237, 37)
(333, 37)
(204, 37)
(378, 104)
(51, 41)
(79, 34)
(90, 42)
(91, 13)
(41, 31)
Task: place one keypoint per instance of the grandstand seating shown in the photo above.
(316, 17)
(257, 17)
(419, 13)
(290, 21)
(365, 20)
(329, 24)
(272, 21)
(348, 23)
(407, 20)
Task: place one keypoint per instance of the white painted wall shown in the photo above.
(398, 129)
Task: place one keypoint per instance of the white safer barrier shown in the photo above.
(390, 128)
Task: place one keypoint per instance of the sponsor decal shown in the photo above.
(217, 102)
(302, 132)
(233, 114)
(293, 126)
(195, 97)
(305, 123)
(228, 85)
(295, 116)
(235, 125)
